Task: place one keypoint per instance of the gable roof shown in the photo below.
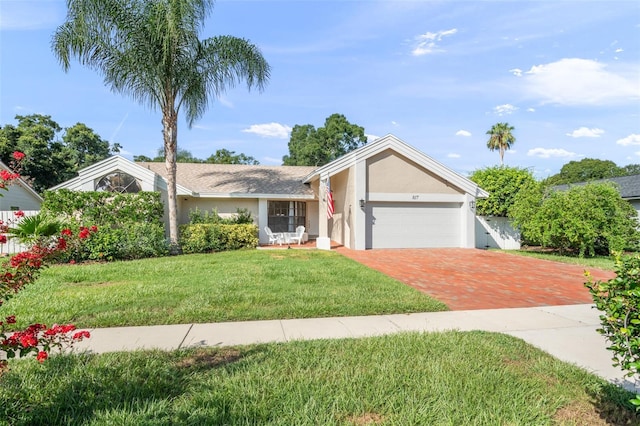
(238, 179)
(392, 142)
(629, 186)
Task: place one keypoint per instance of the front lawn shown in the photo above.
(200, 288)
(600, 262)
(453, 378)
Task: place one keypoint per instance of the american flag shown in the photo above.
(330, 206)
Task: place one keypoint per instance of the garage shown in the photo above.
(413, 225)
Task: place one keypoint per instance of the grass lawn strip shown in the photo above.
(461, 378)
(600, 262)
(202, 288)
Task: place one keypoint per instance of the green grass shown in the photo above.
(453, 378)
(600, 262)
(230, 286)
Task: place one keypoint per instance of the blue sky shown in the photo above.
(437, 74)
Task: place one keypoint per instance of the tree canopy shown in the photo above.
(49, 159)
(503, 184)
(221, 156)
(151, 50)
(309, 146)
(500, 138)
(589, 169)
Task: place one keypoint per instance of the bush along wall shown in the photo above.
(211, 237)
(129, 225)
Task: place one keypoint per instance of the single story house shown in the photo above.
(386, 194)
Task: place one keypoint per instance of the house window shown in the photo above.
(118, 182)
(286, 216)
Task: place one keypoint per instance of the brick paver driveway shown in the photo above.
(479, 279)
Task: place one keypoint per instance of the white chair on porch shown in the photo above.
(298, 236)
(273, 238)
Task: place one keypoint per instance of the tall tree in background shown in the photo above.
(151, 51)
(309, 146)
(500, 138)
(585, 170)
(224, 156)
(50, 160)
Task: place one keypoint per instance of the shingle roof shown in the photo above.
(237, 178)
(629, 186)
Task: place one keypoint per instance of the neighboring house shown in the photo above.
(19, 195)
(629, 187)
(386, 194)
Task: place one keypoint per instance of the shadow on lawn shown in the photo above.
(74, 389)
(611, 404)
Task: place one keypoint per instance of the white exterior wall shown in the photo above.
(496, 232)
(18, 198)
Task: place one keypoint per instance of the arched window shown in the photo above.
(118, 182)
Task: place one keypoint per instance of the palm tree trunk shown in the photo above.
(170, 134)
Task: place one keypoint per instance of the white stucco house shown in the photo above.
(386, 194)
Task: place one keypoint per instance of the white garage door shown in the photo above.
(413, 225)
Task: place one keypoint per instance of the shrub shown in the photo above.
(503, 184)
(130, 225)
(589, 219)
(209, 237)
(619, 300)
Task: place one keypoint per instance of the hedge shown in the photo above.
(211, 237)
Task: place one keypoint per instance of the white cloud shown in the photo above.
(225, 102)
(531, 110)
(428, 42)
(463, 133)
(270, 130)
(638, 153)
(516, 71)
(585, 132)
(505, 109)
(632, 139)
(551, 152)
(371, 138)
(394, 123)
(453, 155)
(574, 81)
(619, 49)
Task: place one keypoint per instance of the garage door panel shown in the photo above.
(413, 225)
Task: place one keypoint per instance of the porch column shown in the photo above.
(263, 220)
(323, 241)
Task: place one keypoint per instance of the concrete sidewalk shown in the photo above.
(566, 332)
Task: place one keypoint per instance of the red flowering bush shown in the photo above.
(22, 269)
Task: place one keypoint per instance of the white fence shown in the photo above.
(13, 245)
(496, 232)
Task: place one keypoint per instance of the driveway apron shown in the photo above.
(467, 279)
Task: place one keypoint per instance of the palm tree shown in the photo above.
(150, 50)
(501, 138)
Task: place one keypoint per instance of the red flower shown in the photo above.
(19, 213)
(11, 319)
(8, 176)
(3, 239)
(81, 335)
(93, 228)
(72, 262)
(62, 244)
(42, 355)
(27, 340)
(84, 233)
(66, 232)
(17, 155)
